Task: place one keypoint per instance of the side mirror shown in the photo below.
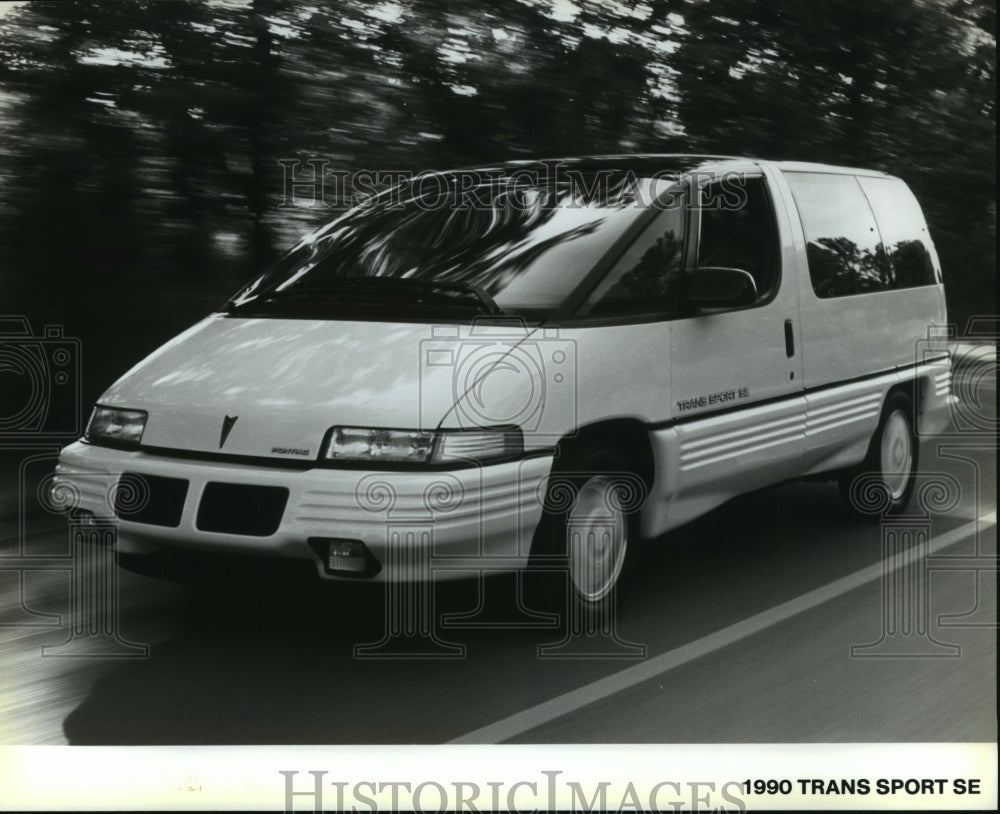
(719, 287)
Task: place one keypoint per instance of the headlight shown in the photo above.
(376, 445)
(414, 446)
(109, 425)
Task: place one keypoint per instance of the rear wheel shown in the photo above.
(886, 476)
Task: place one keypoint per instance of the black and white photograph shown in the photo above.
(511, 405)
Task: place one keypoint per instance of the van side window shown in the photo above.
(843, 245)
(738, 230)
(645, 278)
(904, 232)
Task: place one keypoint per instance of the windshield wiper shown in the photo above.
(346, 289)
(489, 304)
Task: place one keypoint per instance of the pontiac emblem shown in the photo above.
(227, 426)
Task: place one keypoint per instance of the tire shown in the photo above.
(580, 551)
(889, 467)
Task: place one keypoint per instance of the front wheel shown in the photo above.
(891, 462)
(589, 524)
(597, 531)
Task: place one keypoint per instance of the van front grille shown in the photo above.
(233, 508)
(150, 499)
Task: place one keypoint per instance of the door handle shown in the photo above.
(789, 339)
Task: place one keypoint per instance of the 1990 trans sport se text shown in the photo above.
(537, 367)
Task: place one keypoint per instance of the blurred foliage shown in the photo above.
(140, 140)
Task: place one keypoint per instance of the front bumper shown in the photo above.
(416, 523)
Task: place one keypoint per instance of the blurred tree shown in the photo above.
(147, 135)
(74, 223)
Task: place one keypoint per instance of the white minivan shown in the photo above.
(548, 362)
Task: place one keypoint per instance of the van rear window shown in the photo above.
(848, 250)
(904, 231)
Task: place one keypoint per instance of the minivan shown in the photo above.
(535, 365)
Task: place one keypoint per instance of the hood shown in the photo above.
(287, 381)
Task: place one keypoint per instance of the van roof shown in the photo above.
(676, 162)
(809, 166)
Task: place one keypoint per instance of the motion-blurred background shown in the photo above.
(140, 141)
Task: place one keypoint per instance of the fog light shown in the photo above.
(347, 556)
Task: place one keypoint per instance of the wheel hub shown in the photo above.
(896, 454)
(598, 538)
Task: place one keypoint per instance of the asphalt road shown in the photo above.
(746, 620)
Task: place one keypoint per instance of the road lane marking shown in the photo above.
(569, 702)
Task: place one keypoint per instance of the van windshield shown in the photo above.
(512, 245)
